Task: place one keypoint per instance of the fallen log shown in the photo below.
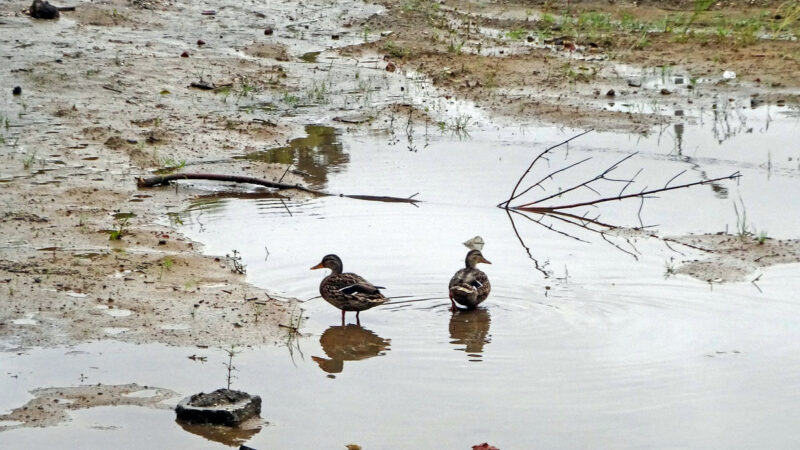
(145, 182)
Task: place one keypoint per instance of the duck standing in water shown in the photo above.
(470, 286)
(347, 291)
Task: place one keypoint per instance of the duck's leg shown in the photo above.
(452, 303)
(358, 320)
(342, 317)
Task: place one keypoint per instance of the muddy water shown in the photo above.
(604, 353)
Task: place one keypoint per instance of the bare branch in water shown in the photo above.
(165, 179)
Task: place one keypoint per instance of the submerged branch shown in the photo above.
(165, 179)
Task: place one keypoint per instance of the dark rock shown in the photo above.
(43, 10)
(17, 90)
(221, 407)
(268, 31)
(634, 83)
(391, 67)
(529, 38)
(185, 55)
(201, 42)
(335, 37)
(665, 91)
(610, 93)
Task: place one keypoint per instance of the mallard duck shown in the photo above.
(347, 291)
(470, 286)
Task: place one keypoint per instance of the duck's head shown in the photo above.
(332, 262)
(474, 257)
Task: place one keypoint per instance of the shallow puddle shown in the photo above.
(606, 346)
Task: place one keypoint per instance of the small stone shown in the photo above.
(201, 42)
(335, 37)
(391, 67)
(268, 32)
(185, 55)
(17, 90)
(665, 91)
(634, 83)
(610, 93)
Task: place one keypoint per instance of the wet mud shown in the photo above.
(107, 288)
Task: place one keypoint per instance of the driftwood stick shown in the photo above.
(165, 179)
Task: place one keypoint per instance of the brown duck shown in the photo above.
(347, 291)
(470, 286)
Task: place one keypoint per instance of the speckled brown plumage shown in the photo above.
(470, 286)
(347, 291)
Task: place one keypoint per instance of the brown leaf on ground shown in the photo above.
(484, 446)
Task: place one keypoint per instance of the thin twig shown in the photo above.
(541, 209)
(514, 191)
(585, 183)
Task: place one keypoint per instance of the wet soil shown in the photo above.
(50, 406)
(446, 99)
(555, 62)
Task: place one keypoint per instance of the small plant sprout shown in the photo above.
(166, 265)
(232, 351)
(120, 230)
(235, 262)
(30, 158)
(669, 268)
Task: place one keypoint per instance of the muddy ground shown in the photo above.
(117, 90)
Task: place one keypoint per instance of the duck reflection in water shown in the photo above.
(470, 328)
(349, 343)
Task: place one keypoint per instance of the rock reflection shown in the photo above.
(230, 436)
(471, 329)
(313, 156)
(348, 343)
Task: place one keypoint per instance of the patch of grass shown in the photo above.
(121, 230)
(28, 161)
(318, 92)
(290, 99)
(166, 265)
(454, 46)
(365, 32)
(789, 13)
(394, 50)
(546, 21)
(642, 43)
(516, 34)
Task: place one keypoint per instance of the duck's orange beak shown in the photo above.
(484, 260)
(318, 266)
